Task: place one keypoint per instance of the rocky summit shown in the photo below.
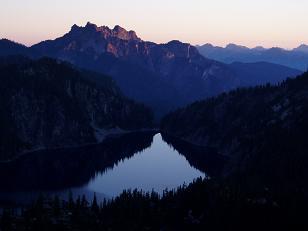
(162, 76)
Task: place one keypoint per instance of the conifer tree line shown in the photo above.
(202, 205)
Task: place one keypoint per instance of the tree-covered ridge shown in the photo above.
(8, 47)
(47, 103)
(202, 205)
(262, 130)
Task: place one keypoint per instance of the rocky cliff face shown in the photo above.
(47, 104)
(164, 76)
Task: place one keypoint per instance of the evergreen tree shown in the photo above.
(94, 206)
(56, 206)
(78, 203)
(84, 202)
(70, 200)
(6, 220)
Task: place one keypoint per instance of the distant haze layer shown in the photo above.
(248, 22)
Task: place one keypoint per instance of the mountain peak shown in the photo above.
(118, 28)
(175, 42)
(123, 34)
(208, 45)
(117, 32)
(233, 46)
(259, 48)
(90, 25)
(75, 27)
(302, 48)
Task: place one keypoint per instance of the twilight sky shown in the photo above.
(247, 22)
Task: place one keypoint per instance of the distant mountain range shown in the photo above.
(49, 104)
(163, 76)
(296, 58)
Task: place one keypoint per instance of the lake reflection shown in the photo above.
(157, 167)
(141, 160)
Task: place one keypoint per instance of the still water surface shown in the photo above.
(138, 160)
(158, 167)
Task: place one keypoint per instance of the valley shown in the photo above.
(103, 130)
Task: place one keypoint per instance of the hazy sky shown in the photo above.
(248, 22)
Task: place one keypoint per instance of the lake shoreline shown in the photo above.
(111, 135)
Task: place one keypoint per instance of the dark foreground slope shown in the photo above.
(48, 104)
(262, 130)
(262, 127)
(203, 205)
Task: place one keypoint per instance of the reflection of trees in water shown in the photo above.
(205, 159)
(71, 167)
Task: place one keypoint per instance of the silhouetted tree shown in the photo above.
(94, 206)
(70, 204)
(84, 202)
(56, 205)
